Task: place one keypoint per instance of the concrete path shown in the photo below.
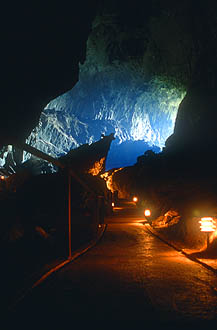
(130, 278)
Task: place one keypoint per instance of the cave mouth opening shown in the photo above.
(141, 119)
(130, 84)
(140, 114)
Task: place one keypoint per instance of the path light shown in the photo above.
(147, 213)
(207, 225)
(135, 199)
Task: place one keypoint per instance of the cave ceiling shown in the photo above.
(150, 45)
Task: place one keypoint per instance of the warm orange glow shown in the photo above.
(2, 177)
(207, 224)
(213, 236)
(147, 213)
(97, 167)
(135, 199)
(113, 204)
(108, 179)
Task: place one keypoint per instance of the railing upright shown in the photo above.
(69, 216)
(71, 173)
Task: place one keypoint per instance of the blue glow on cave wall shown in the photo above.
(116, 93)
(142, 116)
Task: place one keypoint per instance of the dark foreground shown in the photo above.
(129, 280)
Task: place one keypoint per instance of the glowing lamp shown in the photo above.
(2, 177)
(147, 213)
(135, 199)
(113, 204)
(207, 224)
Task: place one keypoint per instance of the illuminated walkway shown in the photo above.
(128, 278)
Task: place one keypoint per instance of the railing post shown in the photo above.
(208, 240)
(69, 216)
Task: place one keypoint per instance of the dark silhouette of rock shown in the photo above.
(40, 53)
(89, 157)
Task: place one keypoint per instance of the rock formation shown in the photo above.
(146, 50)
(89, 158)
(41, 48)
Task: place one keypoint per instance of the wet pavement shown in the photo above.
(130, 278)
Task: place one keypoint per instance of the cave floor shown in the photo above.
(129, 277)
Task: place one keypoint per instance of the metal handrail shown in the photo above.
(71, 173)
(50, 159)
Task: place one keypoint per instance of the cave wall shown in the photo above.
(134, 76)
(183, 176)
(41, 47)
(144, 49)
(195, 127)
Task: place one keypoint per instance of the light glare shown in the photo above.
(207, 224)
(147, 213)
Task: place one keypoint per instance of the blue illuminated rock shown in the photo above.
(127, 98)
